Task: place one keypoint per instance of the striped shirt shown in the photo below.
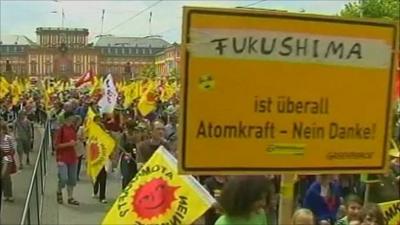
(7, 148)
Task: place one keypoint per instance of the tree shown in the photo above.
(386, 9)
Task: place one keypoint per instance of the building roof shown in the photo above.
(44, 29)
(16, 40)
(112, 41)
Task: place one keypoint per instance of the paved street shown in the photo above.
(90, 211)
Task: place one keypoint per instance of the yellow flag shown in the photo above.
(99, 147)
(46, 101)
(96, 85)
(391, 212)
(158, 195)
(15, 92)
(131, 92)
(147, 102)
(89, 118)
(4, 87)
(167, 93)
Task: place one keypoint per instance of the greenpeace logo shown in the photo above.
(349, 155)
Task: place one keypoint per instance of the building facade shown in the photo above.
(66, 53)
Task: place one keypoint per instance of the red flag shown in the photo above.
(85, 78)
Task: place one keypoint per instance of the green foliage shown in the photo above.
(384, 9)
(149, 72)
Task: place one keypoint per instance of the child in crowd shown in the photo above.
(372, 215)
(353, 206)
(303, 217)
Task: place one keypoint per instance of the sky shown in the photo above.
(129, 18)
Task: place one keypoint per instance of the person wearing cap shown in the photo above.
(66, 157)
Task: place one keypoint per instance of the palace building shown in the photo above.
(66, 53)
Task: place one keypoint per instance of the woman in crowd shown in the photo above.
(323, 198)
(7, 150)
(67, 160)
(243, 201)
(372, 215)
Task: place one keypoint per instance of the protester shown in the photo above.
(100, 185)
(22, 133)
(323, 198)
(214, 186)
(80, 143)
(303, 217)
(7, 150)
(66, 157)
(353, 206)
(243, 201)
(148, 147)
(128, 165)
(372, 215)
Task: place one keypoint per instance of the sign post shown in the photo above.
(270, 92)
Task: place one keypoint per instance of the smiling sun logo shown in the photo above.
(153, 198)
(94, 152)
(206, 82)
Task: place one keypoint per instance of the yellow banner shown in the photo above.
(99, 147)
(391, 212)
(158, 195)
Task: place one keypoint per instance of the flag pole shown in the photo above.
(62, 18)
(286, 198)
(151, 14)
(102, 21)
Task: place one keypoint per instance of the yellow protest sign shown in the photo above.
(158, 195)
(391, 212)
(279, 92)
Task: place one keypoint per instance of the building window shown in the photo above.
(143, 51)
(130, 51)
(137, 51)
(150, 51)
(78, 67)
(33, 67)
(48, 67)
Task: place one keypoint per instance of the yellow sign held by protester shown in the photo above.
(391, 212)
(158, 195)
(279, 92)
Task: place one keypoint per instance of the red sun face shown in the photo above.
(94, 151)
(153, 198)
(151, 97)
